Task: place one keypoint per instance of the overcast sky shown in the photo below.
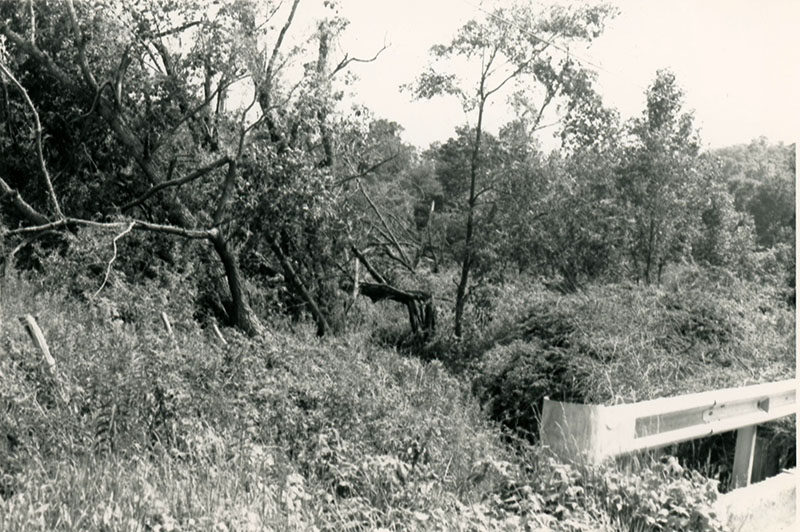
(737, 60)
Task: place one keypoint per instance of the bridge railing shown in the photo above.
(595, 433)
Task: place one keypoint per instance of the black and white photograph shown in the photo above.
(398, 265)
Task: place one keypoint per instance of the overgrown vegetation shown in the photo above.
(393, 317)
(140, 431)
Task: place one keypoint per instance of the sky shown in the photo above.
(738, 62)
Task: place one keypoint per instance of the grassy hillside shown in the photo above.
(140, 431)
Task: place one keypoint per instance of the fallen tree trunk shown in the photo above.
(421, 310)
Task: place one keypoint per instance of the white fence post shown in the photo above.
(218, 333)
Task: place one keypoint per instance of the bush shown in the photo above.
(662, 496)
(514, 380)
(622, 343)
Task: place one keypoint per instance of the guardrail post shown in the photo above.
(743, 459)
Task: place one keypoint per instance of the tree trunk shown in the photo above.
(650, 251)
(294, 281)
(322, 114)
(241, 315)
(466, 264)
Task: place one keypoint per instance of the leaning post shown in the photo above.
(29, 322)
(167, 324)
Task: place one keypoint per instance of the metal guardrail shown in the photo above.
(596, 432)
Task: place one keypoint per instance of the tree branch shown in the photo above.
(24, 208)
(265, 92)
(372, 271)
(366, 172)
(405, 260)
(176, 29)
(37, 54)
(281, 36)
(347, 60)
(119, 75)
(51, 193)
(190, 115)
(80, 44)
(114, 256)
(293, 279)
(484, 191)
(227, 191)
(196, 234)
(197, 174)
(123, 132)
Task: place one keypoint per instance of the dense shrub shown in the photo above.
(701, 330)
(660, 496)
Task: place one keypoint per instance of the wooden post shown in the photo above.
(743, 459)
(218, 333)
(766, 459)
(165, 319)
(29, 322)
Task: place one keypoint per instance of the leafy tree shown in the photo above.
(726, 237)
(762, 179)
(513, 46)
(581, 224)
(151, 81)
(657, 179)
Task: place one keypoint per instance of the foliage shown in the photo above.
(188, 433)
(725, 237)
(284, 432)
(657, 180)
(620, 343)
(508, 56)
(761, 176)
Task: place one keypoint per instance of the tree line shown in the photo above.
(214, 140)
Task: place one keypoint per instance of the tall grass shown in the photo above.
(139, 431)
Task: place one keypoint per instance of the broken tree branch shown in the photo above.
(51, 194)
(197, 234)
(372, 271)
(291, 276)
(24, 208)
(113, 257)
